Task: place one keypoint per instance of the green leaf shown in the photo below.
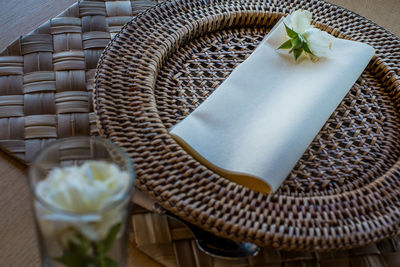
(110, 263)
(108, 242)
(297, 53)
(286, 45)
(307, 49)
(291, 33)
(82, 247)
(297, 43)
(301, 37)
(72, 259)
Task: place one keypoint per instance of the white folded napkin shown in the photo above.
(257, 124)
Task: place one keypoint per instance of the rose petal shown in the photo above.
(319, 42)
(300, 21)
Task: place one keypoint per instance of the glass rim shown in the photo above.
(106, 208)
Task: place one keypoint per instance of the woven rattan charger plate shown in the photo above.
(345, 190)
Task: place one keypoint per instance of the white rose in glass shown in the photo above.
(83, 191)
(318, 42)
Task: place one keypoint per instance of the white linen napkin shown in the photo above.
(257, 124)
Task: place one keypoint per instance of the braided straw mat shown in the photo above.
(344, 191)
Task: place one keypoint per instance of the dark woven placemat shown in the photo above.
(345, 190)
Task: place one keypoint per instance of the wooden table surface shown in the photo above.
(18, 245)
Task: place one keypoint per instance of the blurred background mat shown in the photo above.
(165, 241)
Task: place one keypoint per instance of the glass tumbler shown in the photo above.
(82, 189)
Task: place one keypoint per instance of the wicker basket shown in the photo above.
(345, 190)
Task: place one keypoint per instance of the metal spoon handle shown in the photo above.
(207, 242)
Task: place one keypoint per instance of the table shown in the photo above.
(18, 245)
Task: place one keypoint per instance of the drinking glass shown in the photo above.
(70, 232)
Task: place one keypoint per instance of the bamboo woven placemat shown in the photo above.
(45, 90)
(46, 76)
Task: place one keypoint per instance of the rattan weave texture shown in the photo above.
(344, 192)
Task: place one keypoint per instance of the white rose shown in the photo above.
(319, 42)
(83, 191)
(299, 21)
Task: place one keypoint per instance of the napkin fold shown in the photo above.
(257, 124)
